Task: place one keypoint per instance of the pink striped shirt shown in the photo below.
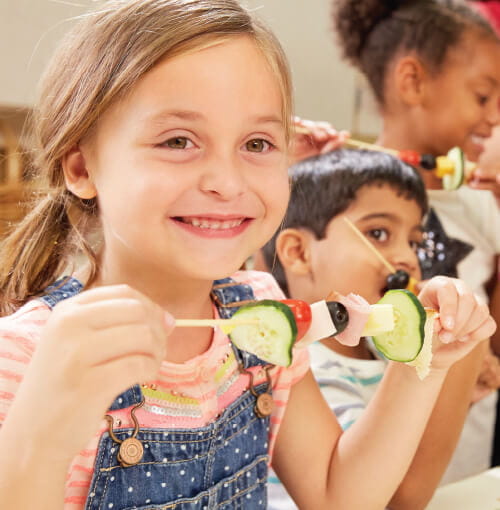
(187, 395)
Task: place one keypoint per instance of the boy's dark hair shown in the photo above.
(372, 32)
(325, 186)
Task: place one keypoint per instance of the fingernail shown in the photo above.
(446, 337)
(449, 322)
(465, 338)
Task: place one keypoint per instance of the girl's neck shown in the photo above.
(399, 136)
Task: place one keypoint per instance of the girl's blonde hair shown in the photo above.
(97, 64)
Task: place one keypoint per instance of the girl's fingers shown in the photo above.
(120, 342)
(113, 312)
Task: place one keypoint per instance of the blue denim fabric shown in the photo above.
(220, 466)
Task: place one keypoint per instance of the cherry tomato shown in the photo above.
(410, 157)
(302, 313)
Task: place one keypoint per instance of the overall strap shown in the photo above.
(229, 296)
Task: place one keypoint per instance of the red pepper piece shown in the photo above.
(302, 313)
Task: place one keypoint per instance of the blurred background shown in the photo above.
(325, 87)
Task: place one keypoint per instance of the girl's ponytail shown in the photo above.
(372, 32)
(38, 250)
(354, 20)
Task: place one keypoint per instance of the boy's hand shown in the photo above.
(463, 322)
(314, 138)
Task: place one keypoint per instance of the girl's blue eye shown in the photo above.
(258, 145)
(379, 234)
(177, 142)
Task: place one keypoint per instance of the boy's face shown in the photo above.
(342, 262)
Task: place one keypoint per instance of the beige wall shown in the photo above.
(29, 30)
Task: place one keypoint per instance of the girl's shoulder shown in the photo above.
(21, 328)
(263, 284)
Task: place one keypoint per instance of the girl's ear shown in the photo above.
(77, 177)
(410, 76)
(293, 251)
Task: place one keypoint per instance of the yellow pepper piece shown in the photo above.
(444, 166)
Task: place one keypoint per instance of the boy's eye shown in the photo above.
(178, 142)
(258, 145)
(379, 234)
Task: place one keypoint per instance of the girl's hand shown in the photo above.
(463, 322)
(314, 138)
(484, 180)
(93, 347)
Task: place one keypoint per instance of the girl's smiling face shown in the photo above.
(190, 168)
(341, 262)
(461, 104)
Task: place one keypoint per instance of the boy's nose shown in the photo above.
(407, 260)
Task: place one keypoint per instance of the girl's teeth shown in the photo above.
(215, 224)
(477, 139)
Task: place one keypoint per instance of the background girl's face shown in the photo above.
(461, 105)
(343, 263)
(190, 168)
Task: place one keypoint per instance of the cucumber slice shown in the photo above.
(455, 180)
(273, 337)
(405, 341)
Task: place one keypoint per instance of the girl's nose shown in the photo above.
(223, 178)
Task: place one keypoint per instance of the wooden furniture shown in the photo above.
(12, 184)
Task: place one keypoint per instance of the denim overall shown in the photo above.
(220, 466)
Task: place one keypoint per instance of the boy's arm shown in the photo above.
(441, 434)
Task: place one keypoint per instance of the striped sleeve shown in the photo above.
(19, 334)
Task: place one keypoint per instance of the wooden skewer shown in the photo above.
(201, 323)
(351, 142)
(374, 250)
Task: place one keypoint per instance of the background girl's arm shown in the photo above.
(93, 347)
(495, 312)
(362, 468)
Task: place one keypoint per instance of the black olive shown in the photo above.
(398, 280)
(428, 161)
(339, 315)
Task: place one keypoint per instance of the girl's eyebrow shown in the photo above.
(167, 115)
(190, 115)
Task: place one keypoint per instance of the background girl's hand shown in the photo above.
(489, 378)
(482, 179)
(318, 138)
(463, 322)
(93, 347)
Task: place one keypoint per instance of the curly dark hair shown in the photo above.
(324, 186)
(372, 32)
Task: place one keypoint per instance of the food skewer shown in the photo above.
(200, 323)
(453, 168)
(398, 278)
